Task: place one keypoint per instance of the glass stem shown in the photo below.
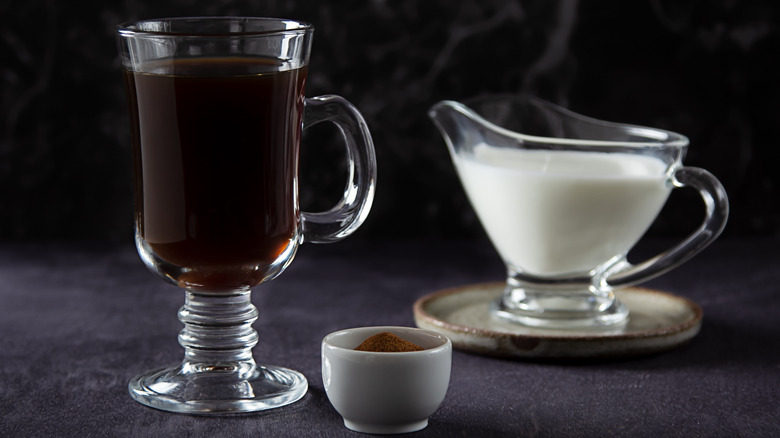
(218, 333)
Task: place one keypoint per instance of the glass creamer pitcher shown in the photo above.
(564, 198)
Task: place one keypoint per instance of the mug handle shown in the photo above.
(350, 212)
(717, 211)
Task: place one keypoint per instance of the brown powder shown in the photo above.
(387, 342)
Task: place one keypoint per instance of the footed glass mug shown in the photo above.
(216, 109)
(564, 198)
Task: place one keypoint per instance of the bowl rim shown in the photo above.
(446, 343)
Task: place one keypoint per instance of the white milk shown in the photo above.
(550, 213)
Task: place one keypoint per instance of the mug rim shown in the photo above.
(135, 27)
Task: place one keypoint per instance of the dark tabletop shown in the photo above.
(78, 321)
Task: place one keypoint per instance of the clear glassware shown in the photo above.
(564, 198)
(216, 109)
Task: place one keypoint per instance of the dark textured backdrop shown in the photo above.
(705, 69)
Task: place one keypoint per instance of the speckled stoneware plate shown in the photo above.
(658, 321)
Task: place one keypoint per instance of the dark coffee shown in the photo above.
(215, 144)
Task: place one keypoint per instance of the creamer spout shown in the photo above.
(458, 124)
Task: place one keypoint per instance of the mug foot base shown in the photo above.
(222, 389)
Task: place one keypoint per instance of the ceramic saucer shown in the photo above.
(658, 321)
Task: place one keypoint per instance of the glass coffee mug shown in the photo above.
(217, 109)
(564, 198)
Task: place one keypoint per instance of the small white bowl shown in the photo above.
(386, 393)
